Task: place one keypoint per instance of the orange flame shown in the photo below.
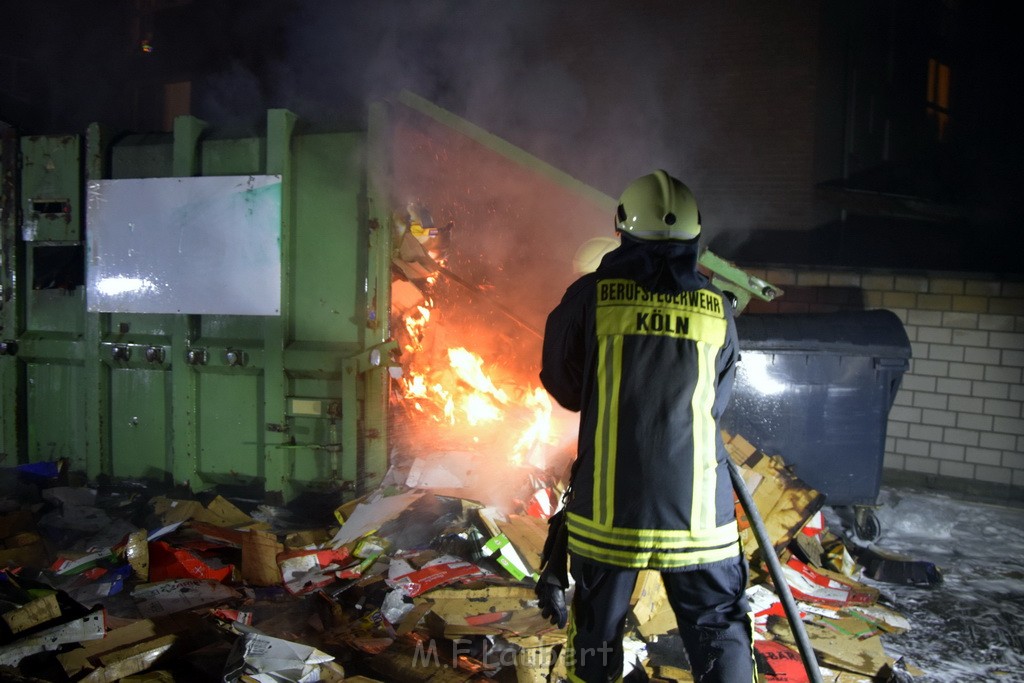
(461, 397)
(469, 368)
(415, 325)
(538, 433)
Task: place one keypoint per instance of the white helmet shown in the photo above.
(658, 207)
(588, 256)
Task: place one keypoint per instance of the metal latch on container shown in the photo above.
(373, 357)
(891, 363)
(313, 407)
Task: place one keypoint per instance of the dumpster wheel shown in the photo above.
(865, 523)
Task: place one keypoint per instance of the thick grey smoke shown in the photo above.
(582, 85)
(605, 90)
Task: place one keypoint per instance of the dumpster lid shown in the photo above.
(863, 333)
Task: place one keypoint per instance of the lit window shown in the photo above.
(938, 97)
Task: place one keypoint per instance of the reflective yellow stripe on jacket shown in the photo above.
(650, 548)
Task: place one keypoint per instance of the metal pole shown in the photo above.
(775, 568)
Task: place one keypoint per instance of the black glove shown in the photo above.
(551, 600)
(554, 559)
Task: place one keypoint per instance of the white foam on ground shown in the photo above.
(971, 627)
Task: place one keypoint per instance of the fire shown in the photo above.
(415, 325)
(539, 431)
(469, 368)
(472, 402)
(468, 396)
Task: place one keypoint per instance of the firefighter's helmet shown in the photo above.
(658, 207)
(588, 257)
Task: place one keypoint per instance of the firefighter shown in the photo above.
(645, 348)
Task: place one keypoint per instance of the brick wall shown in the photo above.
(958, 420)
(743, 96)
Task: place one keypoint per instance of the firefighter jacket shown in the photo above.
(645, 349)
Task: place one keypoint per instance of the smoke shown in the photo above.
(580, 85)
(230, 98)
(604, 90)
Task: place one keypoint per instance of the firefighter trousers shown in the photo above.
(711, 611)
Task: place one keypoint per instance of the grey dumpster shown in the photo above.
(816, 389)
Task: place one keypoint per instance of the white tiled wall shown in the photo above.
(959, 412)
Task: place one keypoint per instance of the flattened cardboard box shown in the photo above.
(838, 651)
(31, 614)
(467, 619)
(784, 502)
(131, 660)
(648, 596)
(455, 605)
(78, 659)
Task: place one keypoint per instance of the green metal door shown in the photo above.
(42, 373)
(139, 422)
(276, 401)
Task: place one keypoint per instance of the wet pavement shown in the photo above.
(971, 626)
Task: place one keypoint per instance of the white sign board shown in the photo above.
(204, 245)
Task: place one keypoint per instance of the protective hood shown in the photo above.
(661, 267)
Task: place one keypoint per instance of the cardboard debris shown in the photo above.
(168, 562)
(442, 571)
(136, 552)
(827, 588)
(87, 657)
(671, 674)
(219, 512)
(259, 558)
(370, 515)
(75, 565)
(36, 612)
(178, 595)
(25, 549)
(305, 571)
(838, 651)
(784, 502)
(97, 584)
(90, 627)
(502, 550)
(494, 609)
(413, 618)
(648, 596)
(214, 536)
(527, 535)
(418, 659)
(434, 474)
(538, 658)
(885, 619)
(307, 538)
(366, 552)
(411, 584)
(120, 664)
(650, 610)
(779, 663)
(263, 658)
